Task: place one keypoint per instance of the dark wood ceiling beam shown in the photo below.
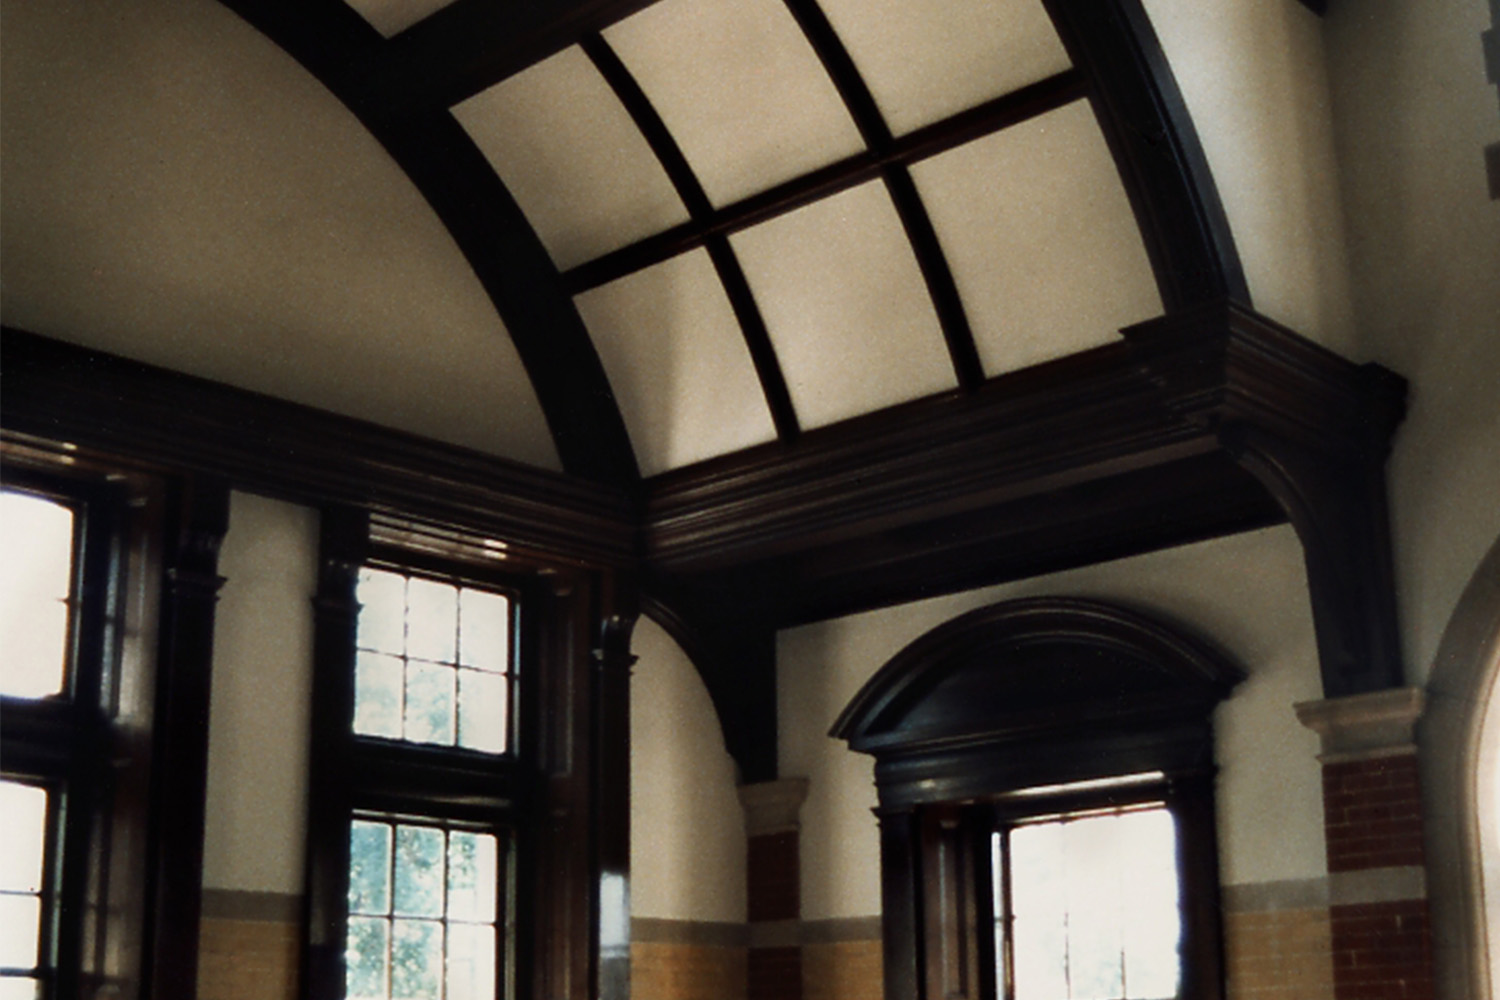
(1156, 150)
(930, 140)
(731, 274)
(839, 66)
(338, 47)
(471, 45)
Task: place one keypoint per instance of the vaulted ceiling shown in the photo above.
(670, 231)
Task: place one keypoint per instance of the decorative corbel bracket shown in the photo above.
(1315, 430)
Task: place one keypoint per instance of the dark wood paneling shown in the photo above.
(338, 47)
(57, 392)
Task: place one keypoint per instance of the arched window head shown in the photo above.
(1073, 731)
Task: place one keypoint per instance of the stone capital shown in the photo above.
(1362, 726)
(773, 806)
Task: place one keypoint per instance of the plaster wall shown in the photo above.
(687, 834)
(1247, 593)
(1413, 112)
(262, 690)
(1252, 73)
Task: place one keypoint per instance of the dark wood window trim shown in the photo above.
(1027, 694)
(130, 745)
(561, 793)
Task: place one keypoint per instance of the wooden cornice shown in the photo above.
(57, 395)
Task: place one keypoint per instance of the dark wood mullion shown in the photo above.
(928, 141)
(338, 47)
(700, 210)
(898, 183)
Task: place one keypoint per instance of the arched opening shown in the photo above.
(1459, 741)
(1035, 736)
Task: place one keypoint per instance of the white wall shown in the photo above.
(1252, 74)
(1247, 593)
(1413, 112)
(262, 691)
(687, 834)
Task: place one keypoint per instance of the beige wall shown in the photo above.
(1247, 593)
(258, 722)
(1413, 112)
(1252, 74)
(687, 834)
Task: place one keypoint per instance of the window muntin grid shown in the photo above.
(433, 662)
(1092, 903)
(36, 593)
(424, 912)
(23, 888)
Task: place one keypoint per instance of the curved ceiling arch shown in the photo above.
(341, 49)
(406, 87)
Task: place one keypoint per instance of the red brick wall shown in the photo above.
(1373, 813)
(1382, 951)
(773, 893)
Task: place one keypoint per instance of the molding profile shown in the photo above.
(1361, 726)
(773, 806)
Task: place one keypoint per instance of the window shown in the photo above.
(433, 673)
(106, 632)
(1045, 773)
(1085, 904)
(52, 678)
(454, 783)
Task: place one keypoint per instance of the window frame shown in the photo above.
(539, 796)
(123, 748)
(958, 723)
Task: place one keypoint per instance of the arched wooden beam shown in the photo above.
(726, 263)
(347, 55)
(877, 136)
(1156, 150)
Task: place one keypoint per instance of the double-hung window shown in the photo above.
(107, 577)
(418, 778)
(51, 681)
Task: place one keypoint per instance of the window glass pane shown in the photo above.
(429, 703)
(419, 871)
(369, 867)
(1040, 931)
(416, 959)
(20, 931)
(1153, 934)
(471, 962)
(432, 620)
(36, 569)
(484, 630)
(1095, 912)
(365, 959)
(482, 710)
(382, 613)
(472, 875)
(1095, 904)
(24, 808)
(378, 680)
(20, 989)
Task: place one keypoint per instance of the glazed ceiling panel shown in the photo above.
(845, 305)
(180, 191)
(390, 17)
(925, 60)
(739, 88)
(570, 154)
(677, 363)
(1049, 262)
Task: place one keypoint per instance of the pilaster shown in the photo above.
(773, 890)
